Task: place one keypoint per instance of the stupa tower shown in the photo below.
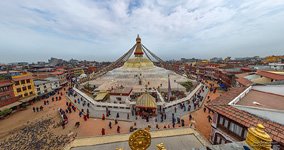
(138, 51)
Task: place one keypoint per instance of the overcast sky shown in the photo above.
(34, 30)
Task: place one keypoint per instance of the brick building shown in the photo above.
(240, 108)
(6, 92)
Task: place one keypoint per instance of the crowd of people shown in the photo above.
(36, 135)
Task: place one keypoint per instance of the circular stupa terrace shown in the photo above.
(153, 78)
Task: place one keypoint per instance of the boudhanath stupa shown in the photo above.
(139, 72)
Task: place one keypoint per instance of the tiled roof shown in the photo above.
(220, 106)
(270, 75)
(244, 81)
(227, 97)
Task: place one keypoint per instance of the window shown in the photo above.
(221, 120)
(19, 89)
(26, 94)
(23, 82)
(245, 133)
(236, 129)
(226, 123)
(29, 87)
(24, 88)
(31, 93)
(118, 98)
(28, 81)
(17, 83)
(44, 87)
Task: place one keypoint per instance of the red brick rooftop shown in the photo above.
(264, 99)
(220, 106)
(270, 75)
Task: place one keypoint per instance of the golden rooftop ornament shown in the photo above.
(258, 139)
(139, 140)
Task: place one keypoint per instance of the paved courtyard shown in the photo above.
(141, 123)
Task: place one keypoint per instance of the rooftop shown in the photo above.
(271, 75)
(183, 138)
(250, 117)
(261, 99)
(38, 82)
(124, 90)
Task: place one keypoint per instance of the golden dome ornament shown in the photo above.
(139, 140)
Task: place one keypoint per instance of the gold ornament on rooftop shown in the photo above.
(161, 146)
(258, 139)
(139, 140)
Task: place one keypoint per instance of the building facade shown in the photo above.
(6, 92)
(23, 85)
(46, 86)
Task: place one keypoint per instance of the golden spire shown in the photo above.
(258, 139)
(138, 50)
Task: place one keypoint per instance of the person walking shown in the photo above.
(118, 129)
(103, 131)
(34, 109)
(109, 125)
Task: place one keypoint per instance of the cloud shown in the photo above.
(104, 30)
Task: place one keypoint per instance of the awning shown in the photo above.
(27, 99)
(10, 105)
(101, 96)
(146, 101)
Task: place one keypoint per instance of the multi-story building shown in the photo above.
(261, 77)
(43, 87)
(75, 72)
(6, 91)
(55, 82)
(61, 76)
(240, 108)
(23, 85)
(47, 85)
(276, 66)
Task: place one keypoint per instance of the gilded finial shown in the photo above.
(119, 149)
(258, 139)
